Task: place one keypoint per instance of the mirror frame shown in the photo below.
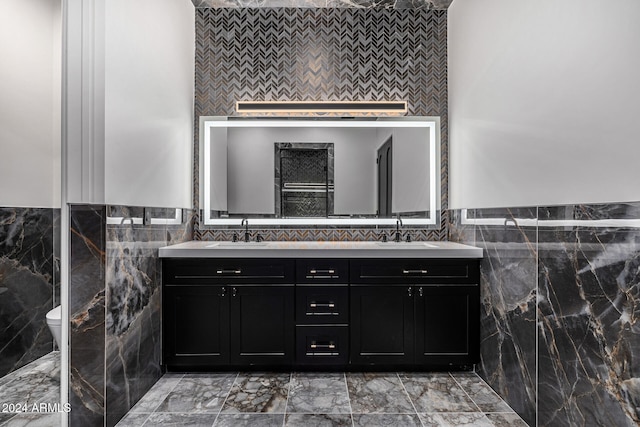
(429, 122)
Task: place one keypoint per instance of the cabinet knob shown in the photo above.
(234, 292)
(410, 291)
(224, 291)
(420, 292)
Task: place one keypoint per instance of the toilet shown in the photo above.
(54, 321)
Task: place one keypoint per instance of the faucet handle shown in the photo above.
(383, 236)
(259, 238)
(234, 238)
(408, 237)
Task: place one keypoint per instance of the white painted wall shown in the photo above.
(149, 89)
(410, 170)
(251, 167)
(543, 102)
(30, 52)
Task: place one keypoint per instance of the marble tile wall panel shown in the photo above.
(589, 306)
(28, 283)
(508, 293)
(323, 53)
(583, 285)
(87, 314)
(133, 283)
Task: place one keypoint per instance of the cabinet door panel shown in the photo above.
(446, 324)
(196, 326)
(262, 325)
(382, 325)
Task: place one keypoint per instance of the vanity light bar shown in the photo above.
(397, 107)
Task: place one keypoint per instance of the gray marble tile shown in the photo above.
(455, 419)
(180, 420)
(318, 420)
(132, 419)
(158, 393)
(34, 420)
(39, 381)
(506, 420)
(249, 420)
(198, 393)
(377, 393)
(391, 420)
(312, 393)
(437, 392)
(481, 394)
(258, 392)
(5, 417)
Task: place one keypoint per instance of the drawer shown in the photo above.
(322, 345)
(228, 270)
(412, 271)
(322, 304)
(322, 271)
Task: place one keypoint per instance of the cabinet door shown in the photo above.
(381, 325)
(196, 325)
(262, 325)
(447, 326)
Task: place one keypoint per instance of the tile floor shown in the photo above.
(321, 399)
(35, 383)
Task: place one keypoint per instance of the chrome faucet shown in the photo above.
(245, 222)
(398, 237)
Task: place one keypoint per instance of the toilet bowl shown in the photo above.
(54, 321)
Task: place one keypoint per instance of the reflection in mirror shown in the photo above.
(304, 179)
(304, 172)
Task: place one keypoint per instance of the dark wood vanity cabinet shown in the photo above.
(324, 312)
(225, 312)
(415, 312)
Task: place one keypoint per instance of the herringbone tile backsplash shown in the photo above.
(322, 54)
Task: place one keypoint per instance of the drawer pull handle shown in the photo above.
(322, 304)
(232, 271)
(329, 271)
(329, 345)
(414, 271)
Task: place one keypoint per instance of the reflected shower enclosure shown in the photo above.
(304, 179)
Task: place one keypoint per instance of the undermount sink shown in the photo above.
(236, 245)
(400, 245)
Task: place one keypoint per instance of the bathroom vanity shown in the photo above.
(320, 305)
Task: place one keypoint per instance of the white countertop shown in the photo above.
(209, 249)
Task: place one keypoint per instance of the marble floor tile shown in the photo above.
(158, 393)
(506, 420)
(318, 393)
(180, 420)
(34, 420)
(481, 394)
(308, 399)
(132, 419)
(258, 392)
(455, 419)
(390, 420)
(318, 420)
(198, 393)
(249, 420)
(437, 392)
(377, 393)
(36, 382)
(5, 417)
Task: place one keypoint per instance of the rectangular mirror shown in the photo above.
(318, 172)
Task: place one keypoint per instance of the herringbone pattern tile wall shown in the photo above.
(319, 54)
